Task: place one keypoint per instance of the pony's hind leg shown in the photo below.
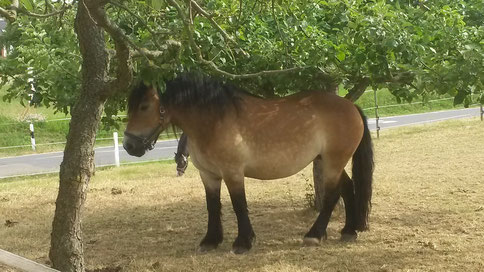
(246, 235)
(348, 233)
(214, 234)
(331, 187)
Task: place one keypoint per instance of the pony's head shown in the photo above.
(147, 118)
(181, 163)
(149, 112)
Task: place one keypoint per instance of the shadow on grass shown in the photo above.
(166, 238)
(156, 236)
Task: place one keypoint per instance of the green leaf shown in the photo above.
(341, 56)
(27, 4)
(157, 4)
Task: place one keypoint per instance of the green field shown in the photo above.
(389, 106)
(427, 214)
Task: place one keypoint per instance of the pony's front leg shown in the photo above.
(214, 235)
(246, 235)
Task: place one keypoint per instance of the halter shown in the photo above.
(150, 141)
(185, 160)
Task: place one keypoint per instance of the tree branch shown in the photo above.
(402, 77)
(14, 10)
(212, 21)
(189, 28)
(279, 28)
(121, 6)
(124, 71)
(169, 46)
(49, 6)
(10, 13)
(211, 64)
(118, 36)
(45, 15)
(358, 89)
(7, 14)
(253, 75)
(217, 26)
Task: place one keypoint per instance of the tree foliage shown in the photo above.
(413, 48)
(46, 51)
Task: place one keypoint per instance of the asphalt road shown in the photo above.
(104, 156)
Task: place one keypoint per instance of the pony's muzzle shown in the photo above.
(133, 148)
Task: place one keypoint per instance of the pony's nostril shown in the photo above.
(128, 147)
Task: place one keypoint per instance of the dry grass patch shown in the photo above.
(428, 214)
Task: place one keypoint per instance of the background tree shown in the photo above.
(270, 47)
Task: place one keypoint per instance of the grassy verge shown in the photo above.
(50, 128)
(427, 214)
(388, 105)
(14, 127)
(49, 136)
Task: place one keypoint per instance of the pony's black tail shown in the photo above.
(363, 176)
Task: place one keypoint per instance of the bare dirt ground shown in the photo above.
(427, 215)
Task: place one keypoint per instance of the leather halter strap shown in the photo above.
(150, 141)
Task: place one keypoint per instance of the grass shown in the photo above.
(427, 214)
(14, 127)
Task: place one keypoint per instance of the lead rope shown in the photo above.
(174, 132)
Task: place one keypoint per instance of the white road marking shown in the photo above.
(433, 120)
(122, 149)
(373, 121)
(49, 157)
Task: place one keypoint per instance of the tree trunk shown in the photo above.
(358, 89)
(318, 183)
(318, 162)
(66, 252)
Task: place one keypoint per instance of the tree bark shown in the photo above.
(318, 183)
(358, 89)
(318, 168)
(66, 252)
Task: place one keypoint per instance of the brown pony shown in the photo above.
(234, 134)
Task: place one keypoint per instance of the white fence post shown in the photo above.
(116, 149)
(32, 137)
(377, 117)
(482, 112)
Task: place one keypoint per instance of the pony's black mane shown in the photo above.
(136, 96)
(193, 91)
(202, 93)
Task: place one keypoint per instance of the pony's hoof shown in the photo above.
(240, 250)
(208, 244)
(346, 237)
(243, 244)
(311, 241)
(206, 248)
